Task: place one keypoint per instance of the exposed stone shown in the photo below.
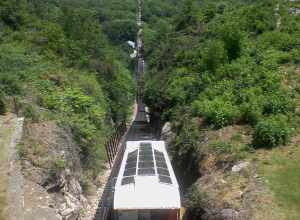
(239, 167)
(63, 186)
(229, 214)
(294, 11)
(167, 135)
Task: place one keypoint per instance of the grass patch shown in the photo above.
(281, 171)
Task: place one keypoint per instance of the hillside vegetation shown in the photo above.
(226, 75)
(65, 63)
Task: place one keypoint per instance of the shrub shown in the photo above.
(213, 56)
(222, 147)
(252, 101)
(278, 40)
(186, 146)
(277, 103)
(232, 38)
(218, 112)
(182, 89)
(54, 37)
(120, 30)
(258, 18)
(195, 201)
(2, 104)
(251, 112)
(9, 84)
(272, 131)
(87, 186)
(185, 150)
(31, 113)
(57, 166)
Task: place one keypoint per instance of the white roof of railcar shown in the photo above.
(153, 191)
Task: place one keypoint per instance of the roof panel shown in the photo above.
(158, 153)
(129, 172)
(146, 144)
(127, 180)
(163, 171)
(131, 160)
(146, 172)
(146, 153)
(130, 165)
(145, 157)
(133, 153)
(160, 158)
(164, 179)
(146, 164)
(162, 164)
(148, 188)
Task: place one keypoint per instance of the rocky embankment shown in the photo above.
(228, 186)
(52, 171)
(53, 175)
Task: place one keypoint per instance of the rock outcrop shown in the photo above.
(167, 134)
(51, 164)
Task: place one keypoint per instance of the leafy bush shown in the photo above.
(186, 152)
(218, 112)
(213, 56)
(277, 103)
(272, 131)
(259, 17)
(2, 105)
(50, 64)
(231, 36)
(9, 84)
(31, 113)
(121, 30)
(58, 164)
(278, 40)
(181, 88)
(12, 13)
(195, 201)
(120, 88)
(251, 112)
(54, 37)
(252, 101)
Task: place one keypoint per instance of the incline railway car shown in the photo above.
(146, 187)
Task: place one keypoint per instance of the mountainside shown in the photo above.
(225, 74)
(65, 67)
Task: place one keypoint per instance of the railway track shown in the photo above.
(140, 129)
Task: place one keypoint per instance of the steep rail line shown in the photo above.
(140, 129)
